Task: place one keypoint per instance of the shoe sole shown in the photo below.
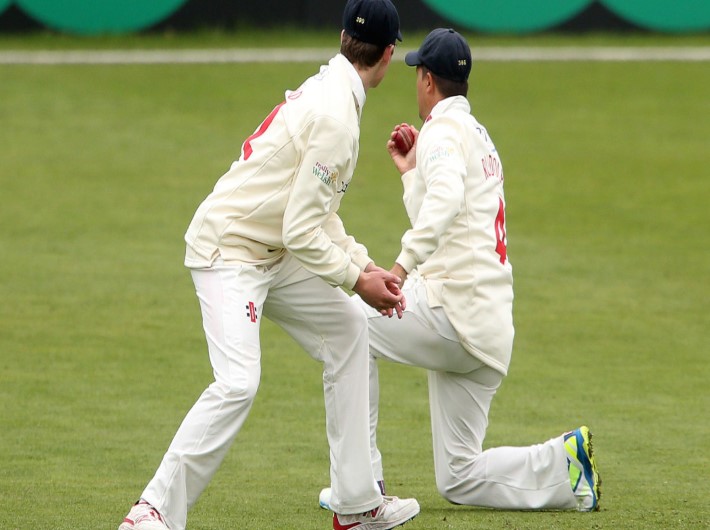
(376, 526)
(596, 480)
(381, 525)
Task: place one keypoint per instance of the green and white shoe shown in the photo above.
(583, 475)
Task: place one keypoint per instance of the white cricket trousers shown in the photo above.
(461, 389)
(328, 324)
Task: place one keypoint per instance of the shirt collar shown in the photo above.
(452, 103)
(356, 85)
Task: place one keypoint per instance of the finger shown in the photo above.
(393, 288)
(400, 310)
(386, 312)
(389, 300)
(391, 277)
(392, 299)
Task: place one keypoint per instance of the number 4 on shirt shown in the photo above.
(501, 240)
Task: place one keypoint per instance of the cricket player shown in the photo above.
(268, 242)
(459, 289)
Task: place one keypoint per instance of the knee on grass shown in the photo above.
(452, 486)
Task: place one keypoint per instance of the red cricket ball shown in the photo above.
(404, 139)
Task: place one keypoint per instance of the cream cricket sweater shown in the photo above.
(455, 202)
(284, 191)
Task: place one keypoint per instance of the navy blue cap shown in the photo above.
(445, 53)
(372, 21)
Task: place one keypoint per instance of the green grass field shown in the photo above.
(101, 347)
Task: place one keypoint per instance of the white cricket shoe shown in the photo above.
(391, 513)
(324, 498)
(583, 475)
(143, 517)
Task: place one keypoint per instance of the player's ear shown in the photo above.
(429, 82)
(388, 54)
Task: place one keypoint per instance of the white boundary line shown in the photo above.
(275, 55)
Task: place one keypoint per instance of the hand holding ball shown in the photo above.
(404, 137)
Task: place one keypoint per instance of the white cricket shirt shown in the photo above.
(454, 199)
(284, 191)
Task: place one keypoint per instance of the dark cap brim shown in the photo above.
(412, 58)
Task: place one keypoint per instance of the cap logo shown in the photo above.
(360, 20)
(462, 62)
